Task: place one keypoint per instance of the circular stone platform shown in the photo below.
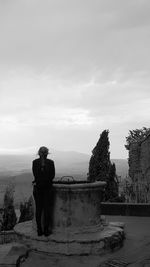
(90, 241)
(78, 225)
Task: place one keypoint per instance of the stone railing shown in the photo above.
(8, 237)
(126, 209)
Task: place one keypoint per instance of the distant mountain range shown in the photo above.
(66, 163)
(17, 169)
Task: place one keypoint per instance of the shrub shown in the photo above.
(9, 215)
(26, 210)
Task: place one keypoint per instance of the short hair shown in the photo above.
(43, 150)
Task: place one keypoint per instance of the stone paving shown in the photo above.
(94, 240)
(134, 253)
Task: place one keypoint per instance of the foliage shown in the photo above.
(120, 199)
(136, 135)
(111, 191)
(9, 215)
(112, 172)
(9, 195)
(26, 210)
(101, 168)
(100, 159)
(1, 218)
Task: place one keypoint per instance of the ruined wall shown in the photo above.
(139, 169)
(145, 159)
(134, 162)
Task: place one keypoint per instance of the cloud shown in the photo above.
(69, 69)
(70, 40)
(39, 100)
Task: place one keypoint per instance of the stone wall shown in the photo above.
(145, 159)
(139, 169)
(126, 209)
(134, 161)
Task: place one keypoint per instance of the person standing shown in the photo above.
(44, 173)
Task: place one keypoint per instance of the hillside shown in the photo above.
(66, 163)
(18, 170)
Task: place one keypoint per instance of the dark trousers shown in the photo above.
(43, 202)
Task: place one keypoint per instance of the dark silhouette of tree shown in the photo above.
(100, 160)
(101, 168)
(111, 191)
(136, 135)
(9, 215)
(26, 210)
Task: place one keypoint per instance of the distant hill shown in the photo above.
(18, 169)
(66, 163)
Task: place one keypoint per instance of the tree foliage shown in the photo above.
(100, 160)
(136, 135)
(9, 215)
(111, 191)
(101, 168)
(26, 210)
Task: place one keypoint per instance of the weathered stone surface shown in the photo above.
(76, 206)
(139, 169)
(78, 227)
(117, 224)
(135, 251)
(134, 161)
(97, 241)
(10, 253)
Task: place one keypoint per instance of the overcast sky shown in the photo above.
(70, 69)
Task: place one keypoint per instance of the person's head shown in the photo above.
(43, 151)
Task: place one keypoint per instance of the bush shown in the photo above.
(100, 160)
(26, 210)
(101, 168)
(9, 215)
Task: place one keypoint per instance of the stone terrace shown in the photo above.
(134, 253)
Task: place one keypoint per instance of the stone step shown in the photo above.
(98, 242)
(10, 253)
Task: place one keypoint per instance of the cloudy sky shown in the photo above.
(70, 69)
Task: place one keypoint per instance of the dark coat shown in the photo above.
(43, 174)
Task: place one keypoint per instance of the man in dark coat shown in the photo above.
(44, 172)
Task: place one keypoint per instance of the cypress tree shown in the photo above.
(100, 160)
(9, 216)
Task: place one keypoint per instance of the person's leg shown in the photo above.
(47, 221)
(51, 209)
(38, 196)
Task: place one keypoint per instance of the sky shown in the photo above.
(70, 69)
